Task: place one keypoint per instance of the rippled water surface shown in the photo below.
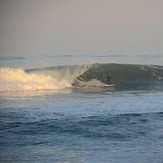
(81, 126)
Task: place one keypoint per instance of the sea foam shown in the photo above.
(18, 80)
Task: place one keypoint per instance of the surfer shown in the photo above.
(109, 79)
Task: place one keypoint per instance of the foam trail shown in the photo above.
(19, 80)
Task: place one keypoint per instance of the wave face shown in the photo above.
(124, 76)
(124, 73)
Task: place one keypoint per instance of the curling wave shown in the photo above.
(124, 76)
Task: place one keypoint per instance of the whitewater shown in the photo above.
(70, 114)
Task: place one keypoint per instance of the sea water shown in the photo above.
(77, 124)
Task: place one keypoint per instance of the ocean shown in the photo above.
(69, 114)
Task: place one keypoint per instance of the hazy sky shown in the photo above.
(81, 27)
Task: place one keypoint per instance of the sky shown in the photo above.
(74, 31)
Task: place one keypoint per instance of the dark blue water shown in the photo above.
(81, 126)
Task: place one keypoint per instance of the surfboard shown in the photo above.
(109, 85)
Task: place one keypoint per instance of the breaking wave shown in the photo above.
(93, 75)
(19, 80)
